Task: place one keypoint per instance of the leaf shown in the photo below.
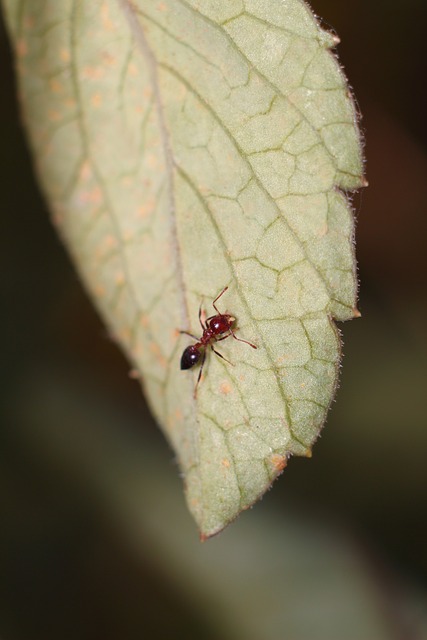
(185, 146)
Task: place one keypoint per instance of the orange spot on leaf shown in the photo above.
(146, 209)
(29, 22)
(278, 461)
(178, 415)
(107, 23)
(94, 196)
(55, 86)
(54, 115)
(96, 100)
(108, 59)
(85, 171)
(323, 231)
(155, 350)
(119, 278)
(21, 48)
(93, 73)
(99, 290)
(225, 388)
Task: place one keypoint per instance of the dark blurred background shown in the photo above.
(95, 539)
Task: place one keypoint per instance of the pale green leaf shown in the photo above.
(186, 145)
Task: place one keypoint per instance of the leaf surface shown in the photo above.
(185, 146)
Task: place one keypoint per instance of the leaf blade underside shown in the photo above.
(189, 145)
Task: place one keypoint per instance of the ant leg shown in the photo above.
(200, 373)
(240, 340)
(227, 335)
(187, 333)
(221, 356)
(200, 318)
(217, 298)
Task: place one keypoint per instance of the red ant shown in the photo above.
(215, 329)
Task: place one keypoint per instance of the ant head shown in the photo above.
(190, 357)
(222, 323)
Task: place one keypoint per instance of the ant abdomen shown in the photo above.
(191, 356)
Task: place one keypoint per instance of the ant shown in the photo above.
(215, 329)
